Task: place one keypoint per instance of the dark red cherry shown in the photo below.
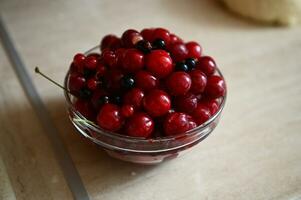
(76, 83)
(139, 125)
(178, 83)
(109, 58)
(110, 42)
(194, 50)
(198, 81)
(174, 39)
(85, 108)
(134, 97)
(99, 97)
(120, 53)
(147, 33)
(207, 65)
(159, 63)
(201, 114)
(91, 62)
(156, 103)
(133, 60)
(216, 87)
(127, 110)
(100, 70)
(211, 104)
(177, 123)
(79, 60)
(113, 79)
(178, 52)
(92, 84)
(109, 117)
(145, 81)
(130, 38)
(161, 33)
(186, 103)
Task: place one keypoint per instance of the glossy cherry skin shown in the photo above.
(174, 39)
(161, 33)
(199, 81)
(201, 114)
(100, 70)
(85, 108)
(120, 53)
(109, 117)
(211, 104)
(109, 58)
(177, 123)
(130, 38)
(79, 61)
(91, 62)
(194, 50)
(92, 84)
(139, 125)
(178, 52)
(207, 65)
(156, 103)
(145, 81)
(127, 110)
(159, 63)
(113, 79)
(178, 83)
(134, 97)
(76, 83)
(216, 87)
(186, 103)
(147, 33)
(133, 60)
(110, 42)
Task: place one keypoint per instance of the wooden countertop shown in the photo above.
(254, 153)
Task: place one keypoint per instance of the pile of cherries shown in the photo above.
(146, 84)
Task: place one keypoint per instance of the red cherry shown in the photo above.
(178, 52)
(79, 60)
(216, 87)
(201, 114)
(199, 81)
(156, 103)
(96, 98)
(91, 62)
(207, 65)
(76, 83)
(120, 53)
(85, 108)
(194, 50)
(134, 97)
(113, 79)
(176, 123)
(145, 81)
(147, 33)
(100, 70)
(161, 33)
(139, 125)
(130, 38)
(110, 42)
(186, 103)
(211, 104)
(109, 117)
(174, 39)
(109, 58)
(127, 110)
(178, 83)
(133, 60)
(159, 63)
(92, 84)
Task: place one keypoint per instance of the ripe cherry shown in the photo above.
(161, 33)
(109, 117)
(194, 50)
(91, 62)
(156, 103)
(127, 110)
(139, 125)
(159, 63)
(199, 81)
(76, 83)
(178, 83)
(176, 123)
(186, 103)
(178, 52)
(85, 108)
(130, 38)
(201, 114)
(109, 58)
(211, 104)
(207, 65)
(110, 42)
(79, 60)
(133, 60)
(147, 33)
(145, 81)
(216, 87)
(134, 97)
(92, 84)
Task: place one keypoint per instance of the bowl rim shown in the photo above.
(99, 130)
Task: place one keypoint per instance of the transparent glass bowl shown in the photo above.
(137, 150)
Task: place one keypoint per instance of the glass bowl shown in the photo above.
(138, 150)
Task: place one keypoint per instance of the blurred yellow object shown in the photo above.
(284, 12)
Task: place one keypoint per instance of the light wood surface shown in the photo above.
(254, 153)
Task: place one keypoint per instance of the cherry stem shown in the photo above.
(37, 70)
